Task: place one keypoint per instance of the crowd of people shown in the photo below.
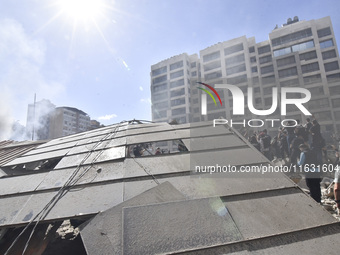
(286, 143)
(301, 144)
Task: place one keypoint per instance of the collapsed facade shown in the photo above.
(129, 201)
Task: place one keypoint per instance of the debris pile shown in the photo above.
(327, 191)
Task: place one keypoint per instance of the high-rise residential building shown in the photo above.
(67, 121)
(298, 54)
(170, 88)
(46, 121)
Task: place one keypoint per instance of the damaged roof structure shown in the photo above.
(126, 203)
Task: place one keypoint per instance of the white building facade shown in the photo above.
(299, 54)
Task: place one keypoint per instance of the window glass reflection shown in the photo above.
(156, 148)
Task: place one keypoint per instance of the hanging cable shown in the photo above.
(63, 190)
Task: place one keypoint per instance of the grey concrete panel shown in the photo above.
(79, 138)
(209, 130)
(38, 157)
(157, 165)
(22, 209)
(175, 226)
(200, 187)
(159, 136)
(258, 216)
(94, 174)
(103, 234)
(10, 208)
(97, 145)
(314, 241)
(77, 202)
(148, 129)
(82, 146)
(225, 157)
(95, 157)
(87, 200)
(213, 142)
(108, 154)
(19, 184)
(56, 147)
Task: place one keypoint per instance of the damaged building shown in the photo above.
(131, 188)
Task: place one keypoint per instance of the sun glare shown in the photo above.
(82, 10)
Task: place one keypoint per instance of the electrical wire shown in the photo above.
(64, 189)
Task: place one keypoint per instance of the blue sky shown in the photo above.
(103, 67)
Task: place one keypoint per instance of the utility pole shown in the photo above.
(33, 117)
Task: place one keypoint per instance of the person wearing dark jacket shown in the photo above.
(290, 128)
(308, 164)
(294, 149)
(318, 141)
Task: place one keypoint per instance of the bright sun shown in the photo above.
(82, 10)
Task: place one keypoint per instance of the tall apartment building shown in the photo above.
(46, 121)
(298, 54)
(67, 121)
(170, 88)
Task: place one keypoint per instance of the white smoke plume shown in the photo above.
(21, 59)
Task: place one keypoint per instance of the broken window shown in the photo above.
(26, 168)
(156, 148)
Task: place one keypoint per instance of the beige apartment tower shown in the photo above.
(298, 54)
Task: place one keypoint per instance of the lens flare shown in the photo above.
(82, 9)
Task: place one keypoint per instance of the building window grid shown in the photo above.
(326, 44)
(308, 55)
(324, 32)
(236, 69)
(312, 79)
(292, 37)
(211, 56)
(332, 78)
(177, 92)
(160, 87)
(331, 66)
(178, 101)
(211, 66)
(294, 48)
(159, 71)
(328, 54)
(290, 83)
(336, 101)
(267, 69)
(288, 72)
(159, 79)
(177, 74)
(176, 65)
(285, 61)
(312, 67)
(233, 49)
(232, 61)
(263, 49)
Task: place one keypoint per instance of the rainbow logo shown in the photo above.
(209, 93)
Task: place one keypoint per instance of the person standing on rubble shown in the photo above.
(337, 189)
(318, 142)
(290, 128)
(308, 163)
(282, 135)
(295, 149)
(337, 183)
(265, 140)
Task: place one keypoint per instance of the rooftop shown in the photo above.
(96, 179)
